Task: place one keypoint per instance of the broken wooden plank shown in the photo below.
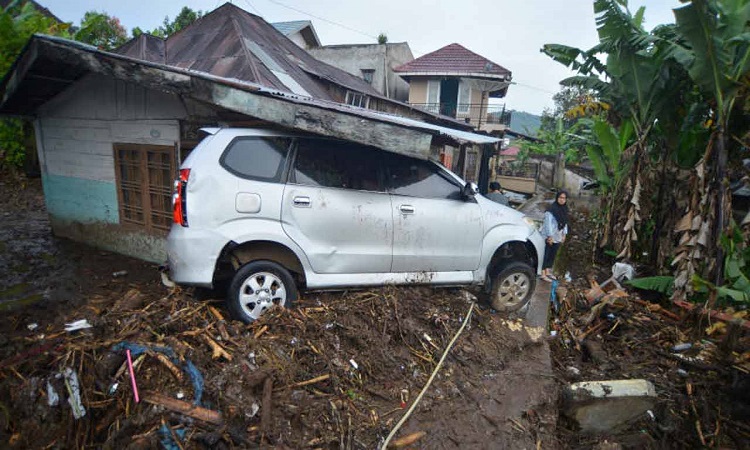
(185, 408)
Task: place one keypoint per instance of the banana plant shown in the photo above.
(716, 53)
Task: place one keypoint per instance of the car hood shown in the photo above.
(494, 214)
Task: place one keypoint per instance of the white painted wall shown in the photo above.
(77, 128)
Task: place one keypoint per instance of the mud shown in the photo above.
(343, 367)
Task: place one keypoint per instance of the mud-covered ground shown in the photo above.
(338, 371)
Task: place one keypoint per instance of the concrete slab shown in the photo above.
(607, 406)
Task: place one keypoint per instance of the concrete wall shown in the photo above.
(572, 182)
(418, 91)
(380, 58)
(75, 135)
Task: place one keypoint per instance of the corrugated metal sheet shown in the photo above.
(225, 41)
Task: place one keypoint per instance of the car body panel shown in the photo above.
(345, 237)
(435, 235)
(341, 230)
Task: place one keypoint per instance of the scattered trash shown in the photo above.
(120, 273)
(132, 376)
(52, 398)
(682, 372)
(74, 392)
(354, 364)
(32, 326)
(623, 271)
(180, 395)
(567, 277)
(573, 370)
(553, 296)
(682, 347)
(81, 324)
(168, 435)
(113, 388)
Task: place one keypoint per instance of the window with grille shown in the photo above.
(145, 174)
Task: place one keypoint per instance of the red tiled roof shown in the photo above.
(453, 58)
(510, 151)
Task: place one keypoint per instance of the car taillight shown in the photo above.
(179, 204)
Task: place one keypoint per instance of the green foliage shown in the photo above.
(717, 49)
(561, 139)
(382, 38)
(661, 284)
(12, 149)
(18, 22)
(736, 269)
(606, 156)
(185, 17)
(101, 30)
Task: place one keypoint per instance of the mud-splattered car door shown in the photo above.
(335, 207)
(435, 228)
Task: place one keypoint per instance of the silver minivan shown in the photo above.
(270, 213)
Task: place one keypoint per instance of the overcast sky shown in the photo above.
(509, 33)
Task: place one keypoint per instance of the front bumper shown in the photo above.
(537, 241)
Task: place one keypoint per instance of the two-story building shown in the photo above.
(458, 83)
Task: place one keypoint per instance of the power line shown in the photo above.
(528, 86)
(324, 20)
(253, 7)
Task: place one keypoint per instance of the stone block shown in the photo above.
(608, 406)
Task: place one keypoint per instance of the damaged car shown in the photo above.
(269, 214)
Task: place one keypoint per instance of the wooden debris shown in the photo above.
(218, 350)
(263, 329)
(174, 370)
(408, 440)
(185, 408)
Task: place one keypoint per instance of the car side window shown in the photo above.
(328, 163)
(416, 178)
(257, 158)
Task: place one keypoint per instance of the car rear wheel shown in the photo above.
(512, 287)
(258, 286)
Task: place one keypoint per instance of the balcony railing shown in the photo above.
(473, 113)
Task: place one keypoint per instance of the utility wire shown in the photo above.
(325, 20)
(253, 7)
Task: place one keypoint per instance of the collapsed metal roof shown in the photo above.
(49, 65)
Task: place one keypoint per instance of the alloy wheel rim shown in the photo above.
(513, 289)
(261, 291)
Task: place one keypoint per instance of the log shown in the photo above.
(185, 408)
(408, 440)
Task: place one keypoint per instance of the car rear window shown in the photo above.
(257, 158)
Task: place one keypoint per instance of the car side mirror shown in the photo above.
(469, 190)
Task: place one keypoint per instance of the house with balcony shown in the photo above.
(458, 83)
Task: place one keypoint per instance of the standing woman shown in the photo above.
(554, 230)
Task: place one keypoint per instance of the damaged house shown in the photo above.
(112, 128)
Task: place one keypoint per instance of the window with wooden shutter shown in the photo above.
(144, 175)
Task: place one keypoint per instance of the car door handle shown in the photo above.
(406, 209)
(302, 202)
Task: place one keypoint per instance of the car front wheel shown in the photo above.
(258, 286)
(512, 287)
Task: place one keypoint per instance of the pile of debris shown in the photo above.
(646, 374)
(144, 370)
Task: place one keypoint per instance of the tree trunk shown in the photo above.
(721, 166)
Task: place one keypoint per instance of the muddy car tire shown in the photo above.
(257, 286)
(512, 287)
